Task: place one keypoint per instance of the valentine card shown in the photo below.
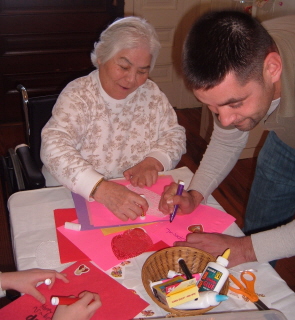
(100, 216)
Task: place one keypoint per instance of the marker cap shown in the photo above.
(73, 226)
(172, 274)
(55, 301)
(221, 297)
(226, 254)
(223, 260)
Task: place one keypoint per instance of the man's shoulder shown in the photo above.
(280, 23)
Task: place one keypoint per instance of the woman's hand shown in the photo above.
(124, 204)
(26, 281)
(145, 173)
(83, 309)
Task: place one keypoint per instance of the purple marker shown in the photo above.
(178, 193)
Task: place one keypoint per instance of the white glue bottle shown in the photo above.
(215, 274)
(206, 299)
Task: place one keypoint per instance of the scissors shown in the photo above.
(247, 289)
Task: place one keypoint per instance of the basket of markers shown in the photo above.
(157, 267)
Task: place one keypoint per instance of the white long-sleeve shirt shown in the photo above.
(226, 144)
(91, 135)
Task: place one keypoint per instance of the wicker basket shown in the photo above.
(158, 264)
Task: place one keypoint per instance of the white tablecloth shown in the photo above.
(35, 244)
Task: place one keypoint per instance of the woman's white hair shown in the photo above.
(126, 33)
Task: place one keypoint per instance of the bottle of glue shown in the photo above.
(215, 274)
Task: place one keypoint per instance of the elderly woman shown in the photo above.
(114, 122)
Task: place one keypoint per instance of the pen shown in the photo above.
(55, 301)
(185, 269)
(178, 193)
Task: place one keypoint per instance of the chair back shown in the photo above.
(40, 110)
(37, 112)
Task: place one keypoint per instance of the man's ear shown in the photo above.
(273, 66)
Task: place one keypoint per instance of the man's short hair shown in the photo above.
(222, 42)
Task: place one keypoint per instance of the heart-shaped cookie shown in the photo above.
(131, 243)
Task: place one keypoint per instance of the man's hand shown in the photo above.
(124, 204)
(187, 202)
(241, 249)
(145, 173)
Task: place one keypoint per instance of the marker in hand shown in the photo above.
(178, 193)
(61, 300)
(55, 301)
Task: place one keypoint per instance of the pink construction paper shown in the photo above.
(94, 244)
(211, 220)
(98, 247)
(100, 216)
(117, 302)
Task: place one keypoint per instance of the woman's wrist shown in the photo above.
(96, 186)
(197, 197)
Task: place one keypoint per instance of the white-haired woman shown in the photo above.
(114, 122)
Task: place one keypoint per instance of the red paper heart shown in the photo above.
(131, 243)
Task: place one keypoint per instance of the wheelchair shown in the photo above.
(21, 167)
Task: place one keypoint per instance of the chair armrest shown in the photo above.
(33, 177)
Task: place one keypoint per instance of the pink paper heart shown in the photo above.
(131, 243)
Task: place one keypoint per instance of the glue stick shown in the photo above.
(215, 274)
(206, 299)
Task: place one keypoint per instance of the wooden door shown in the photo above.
(172, 20)
(44, 45)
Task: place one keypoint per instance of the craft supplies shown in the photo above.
(184, 268)
(176, 291)
(247, 290)
(206, 299)
(215, 274)
(55, 301)
(171, 274)
(157, 266)
(72, 226)
(178, 193)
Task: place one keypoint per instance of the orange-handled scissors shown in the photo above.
(247, 289)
